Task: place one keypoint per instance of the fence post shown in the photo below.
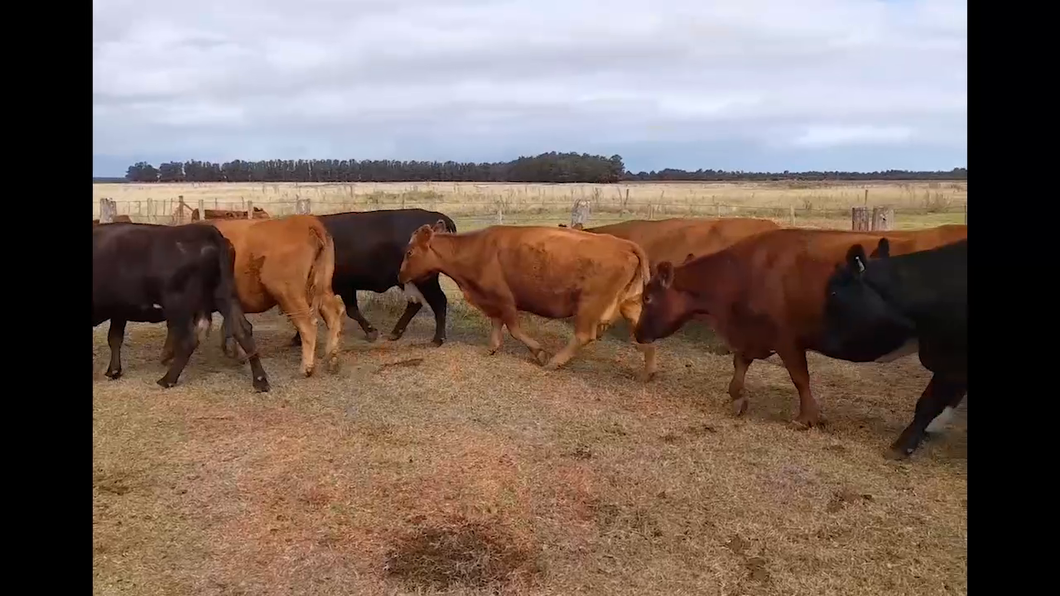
(791, 214)
(302, 207)
(180, 209)
(139, 212)
(107, 210)
(866, 196)
(500, 213)
(651, 211)
(202, 209)
(150, 210)
(882, 217)
(859, 219)
(250, 209)
(580, 212)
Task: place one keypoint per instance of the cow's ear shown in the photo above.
(440, 227)
(883, 249)
(423, 234)
(856, 259)
(666, 273)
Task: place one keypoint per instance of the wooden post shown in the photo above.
(107, 210)
(202, 209)
(580, 212)
(859, 219)
(138, 211)
(180, 209)
(791, 214)
(882, 218)
(302, 207)
(150, 210)
(866, 196)
(500, 213)
(250, 209)
(651, 211)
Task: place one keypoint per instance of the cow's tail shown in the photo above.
(643, 267)
(322, 269)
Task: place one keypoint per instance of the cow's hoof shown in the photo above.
(806, 421)
(112, 374)
(333, 364)
(261, 385)
(308, 371)
(542, 357)
(550, 366)
(165, 383)
(645, 377)
(492, 351)
(739, 406)
(438, 341)
(373, 334)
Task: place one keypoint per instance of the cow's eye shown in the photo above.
(647, 299)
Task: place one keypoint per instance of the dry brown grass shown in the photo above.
(421, 470)
(816, 204)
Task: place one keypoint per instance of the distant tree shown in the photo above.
(546, 167)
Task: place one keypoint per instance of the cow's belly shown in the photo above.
(137, 313)
(910, 347)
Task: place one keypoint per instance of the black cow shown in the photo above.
(896, 305)
(369, 248)
(178, 274)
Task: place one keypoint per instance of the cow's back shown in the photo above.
(370, 245)
(674, 239)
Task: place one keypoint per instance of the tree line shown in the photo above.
(547, 167)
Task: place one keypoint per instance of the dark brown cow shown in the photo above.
(287, 262)
(117, 219)
(766, 295)
(547, 271)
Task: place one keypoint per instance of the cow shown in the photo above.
(287, 262)
(878, 307)
(550, 272)
(369, 247)
(765, 295)
(177, 274)
(117, 219)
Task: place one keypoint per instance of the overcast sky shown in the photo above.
(724, 84)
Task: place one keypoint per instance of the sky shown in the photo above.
(753, 85)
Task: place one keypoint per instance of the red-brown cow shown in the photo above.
(547, 271)
(766, 295)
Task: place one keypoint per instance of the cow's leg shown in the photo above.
(511, 320)
(740, 363)
(183, 344)
(795, 361)
(228, 340)
(631, 312)
(332, 310)
(938, 394)
(584, 334)
(411, 309)
(115, 335)
(304, 319)
(354, 312)
(167, 348)
(496, 335)
(432, 293)
(244, 333)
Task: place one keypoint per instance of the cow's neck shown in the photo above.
(697, 280)
(453, 262)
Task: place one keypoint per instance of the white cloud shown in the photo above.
(480, 79)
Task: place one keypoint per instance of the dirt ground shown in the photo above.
(422, 470)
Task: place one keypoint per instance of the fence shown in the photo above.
(583, 211)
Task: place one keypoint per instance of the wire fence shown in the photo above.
(477, 214)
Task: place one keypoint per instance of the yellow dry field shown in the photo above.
(423, 470)
(812, 204)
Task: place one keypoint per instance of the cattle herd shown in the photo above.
(765, 289)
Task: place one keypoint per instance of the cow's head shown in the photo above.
(420, 261)
(663, 308)
(859, 323)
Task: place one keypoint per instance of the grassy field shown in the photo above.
(814, 204)
(422, 470)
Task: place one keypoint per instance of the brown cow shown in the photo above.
(766, 295)
(547, 271)
(117, 219)
(677, 239)
(287, 262)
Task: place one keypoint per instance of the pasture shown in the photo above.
(812, 204)
(422, 470)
